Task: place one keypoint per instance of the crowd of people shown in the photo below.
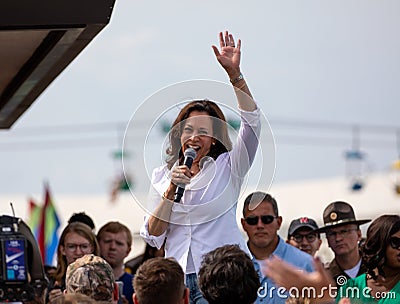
(204, 256)
(275, 271)
(92, 264)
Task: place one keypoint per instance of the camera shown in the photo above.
(22, 276)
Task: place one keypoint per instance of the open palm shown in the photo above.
(229, 55)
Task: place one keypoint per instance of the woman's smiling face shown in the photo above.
(197, 133)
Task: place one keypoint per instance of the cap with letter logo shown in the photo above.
(302, 222)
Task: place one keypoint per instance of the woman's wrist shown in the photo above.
(237, 79)
(233, 73)
(239, 85)
(167, 196)
(169, 193)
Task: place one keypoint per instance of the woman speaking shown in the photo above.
(204, 218)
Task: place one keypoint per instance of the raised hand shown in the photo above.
(229, 54)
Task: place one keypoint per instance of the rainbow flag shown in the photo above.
(47, 233)
(35, 213)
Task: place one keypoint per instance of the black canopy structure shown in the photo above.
(38, 40)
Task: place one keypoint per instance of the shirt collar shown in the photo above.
(280, 249)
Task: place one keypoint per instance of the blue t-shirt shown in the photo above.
(269, 292)
(127, 291)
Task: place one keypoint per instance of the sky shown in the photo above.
(318, 69)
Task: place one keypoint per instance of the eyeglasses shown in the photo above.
(342, 233)
(311, 237)
(394, 242)
(85, 248)
(265, 219)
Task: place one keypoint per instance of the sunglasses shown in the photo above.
(265, 219)
(394, 242)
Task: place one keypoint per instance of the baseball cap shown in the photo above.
(91, 275)
(302, 222)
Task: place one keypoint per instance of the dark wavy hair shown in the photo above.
(223, 143)
(227, 276)
(378, 235)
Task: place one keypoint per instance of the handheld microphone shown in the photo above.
(190, 155)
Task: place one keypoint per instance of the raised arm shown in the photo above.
(229, 57)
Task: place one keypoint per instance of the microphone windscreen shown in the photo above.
(189, 152)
